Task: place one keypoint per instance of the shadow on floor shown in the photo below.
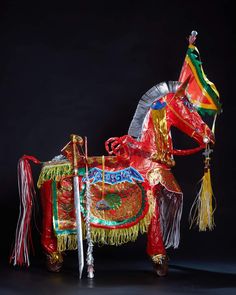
(121, 277)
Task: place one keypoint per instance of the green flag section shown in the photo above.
(202, 92)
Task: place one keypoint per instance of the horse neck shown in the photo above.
(156, 136)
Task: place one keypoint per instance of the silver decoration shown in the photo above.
(58, 158)
(153, 94)
(89, 259)
(194, 33)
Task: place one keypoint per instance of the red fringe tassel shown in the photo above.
(23, 237)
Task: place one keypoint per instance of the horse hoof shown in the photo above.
(54, 261)
(160, 263)
(161, 269)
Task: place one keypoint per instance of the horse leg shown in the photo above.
(155, 246)
(48, 239)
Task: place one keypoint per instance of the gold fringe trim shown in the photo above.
(54, 172)
(115, 237)
(159, 258)
(66, 242)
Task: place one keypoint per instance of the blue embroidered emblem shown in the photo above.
(112, 177)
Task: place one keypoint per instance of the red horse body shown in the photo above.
(122, 209)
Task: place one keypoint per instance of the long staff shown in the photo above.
(90, 259)
(75, 141)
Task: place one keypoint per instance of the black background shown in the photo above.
(82, 68)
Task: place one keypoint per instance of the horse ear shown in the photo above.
(181, 90)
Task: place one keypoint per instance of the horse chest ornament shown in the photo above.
(112, 199)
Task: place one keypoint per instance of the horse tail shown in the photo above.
(23, 237)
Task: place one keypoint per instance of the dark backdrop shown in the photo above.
(82, 69)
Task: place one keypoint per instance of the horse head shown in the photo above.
(182, 114)
(163, 106)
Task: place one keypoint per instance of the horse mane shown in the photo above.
(153, 94)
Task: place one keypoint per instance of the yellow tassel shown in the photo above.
(202, 210)
(206, 219)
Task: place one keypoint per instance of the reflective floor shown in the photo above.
(123, 277)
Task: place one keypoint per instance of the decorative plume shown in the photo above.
(23, 238)
(202, 209)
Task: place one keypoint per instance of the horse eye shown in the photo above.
(188, 104)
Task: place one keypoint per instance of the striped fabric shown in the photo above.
(202, 92)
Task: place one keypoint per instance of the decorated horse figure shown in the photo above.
(112, 199)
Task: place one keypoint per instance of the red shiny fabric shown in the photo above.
(48, 239)
(187, 120)
(155, 243)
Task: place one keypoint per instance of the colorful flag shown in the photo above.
(202, 92)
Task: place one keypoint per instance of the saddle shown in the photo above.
(120, 207)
